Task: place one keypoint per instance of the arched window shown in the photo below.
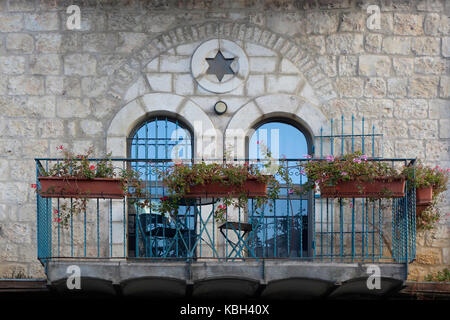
(282, 231)
(282, 139)
(153, 146)
(161, 138)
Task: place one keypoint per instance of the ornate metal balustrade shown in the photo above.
(306, 227)
(295, 227)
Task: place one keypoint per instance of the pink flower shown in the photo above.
(302, 172)
(58, 220)
(307, 156)
(330, 158)
(363, 157)
(92, 167)
(357, 160)
(290, 191)
(351, 205)
(448, 170)
(34, 186)
(59, 147)
(344, 173)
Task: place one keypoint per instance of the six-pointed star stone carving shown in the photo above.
(219, 65)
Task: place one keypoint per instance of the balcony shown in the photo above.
(306, 246)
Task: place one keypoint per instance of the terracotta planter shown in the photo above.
(252, 188)
(424, 195)
(379, 188)
(59, 187)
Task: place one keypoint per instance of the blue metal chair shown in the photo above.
(164, 238)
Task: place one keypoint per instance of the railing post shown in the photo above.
(44, 224)
(406, 224)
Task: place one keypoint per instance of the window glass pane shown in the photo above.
(162, 138)
(282, 231)
(281, 139)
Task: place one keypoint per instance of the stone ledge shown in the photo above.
(427, 287)
(23, 285)
(270, 277)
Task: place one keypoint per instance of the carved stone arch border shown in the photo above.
(289, 106)
(207, 142)
(298, 54)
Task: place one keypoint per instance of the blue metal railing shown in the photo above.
(298, 227)
(307, 227)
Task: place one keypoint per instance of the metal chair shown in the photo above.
(241, 230)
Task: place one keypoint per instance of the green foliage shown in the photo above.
(80, 167)
(427, 219)
(441, 276)
(354, 166)
(180, 178)
(421, 176)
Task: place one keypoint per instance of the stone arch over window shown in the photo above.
(206, 141)
(293, 108)
(129, 72)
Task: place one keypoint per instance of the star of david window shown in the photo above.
(219, 65)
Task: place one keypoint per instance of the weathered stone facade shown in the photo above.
(313, 60)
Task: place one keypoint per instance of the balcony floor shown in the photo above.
(271, 279)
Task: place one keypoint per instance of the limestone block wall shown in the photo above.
(310, 60)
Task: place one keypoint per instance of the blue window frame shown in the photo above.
(154, 145)
(284, 231)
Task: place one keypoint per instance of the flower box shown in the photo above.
(378, 188)
(69, 187)
(424, 196)
(252, 188)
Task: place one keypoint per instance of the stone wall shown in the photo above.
(66, 87)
